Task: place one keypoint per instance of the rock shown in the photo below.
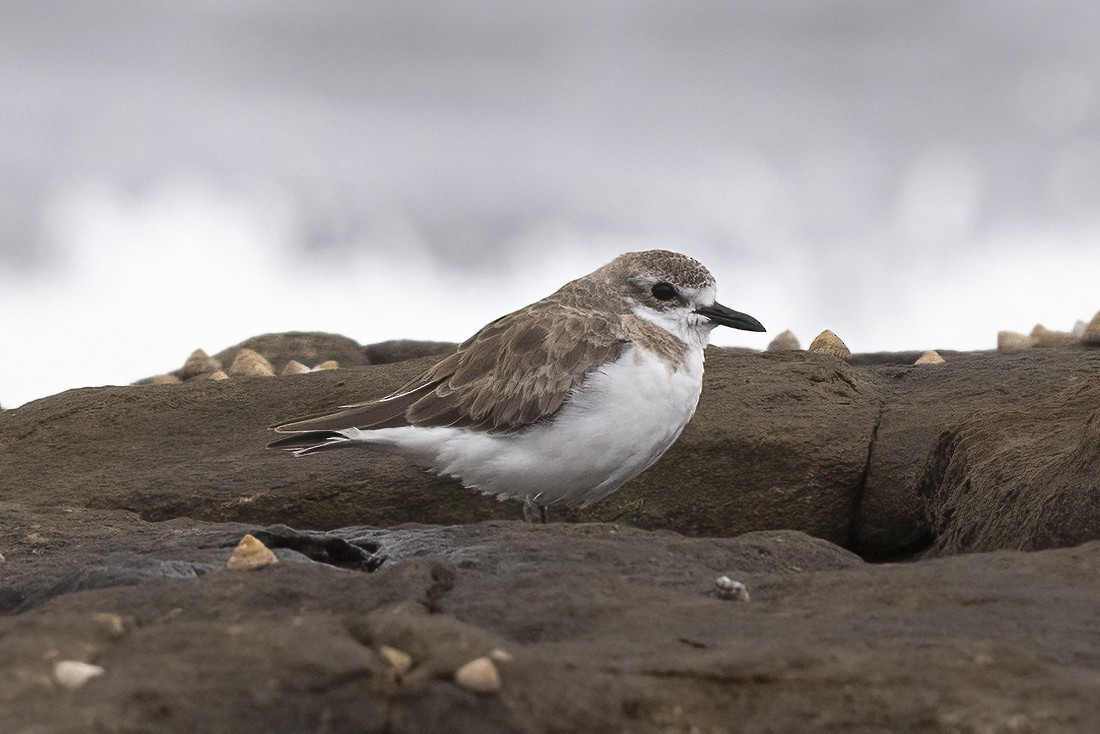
(1044, 337)
(916, 407)
(1090, 335)
(829, 344)
(251, 553)
(614, 632)
(401, 350)
(163, 380)
(304, 347)
(293, 367)
(784, 341)
(331, 364)
(1011, 341)
(73, 674)
(1018, 478)
(251, 364)
(932, 357)
(199, 363)
(219, 375)
(479, 675)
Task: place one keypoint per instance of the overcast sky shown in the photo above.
(177, 175)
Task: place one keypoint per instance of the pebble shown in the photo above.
(219, 375)
(829, 343)
(251, 553)
(930, 357)
(400, 661)
(784, 341)
(479, 675)
(293, 367)
(113, 624)
(72, 674)
(251, 363)
(730, 590)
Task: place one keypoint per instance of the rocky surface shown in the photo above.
(120, 507)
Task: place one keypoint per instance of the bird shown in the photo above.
(560, 402)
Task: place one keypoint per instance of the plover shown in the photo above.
(562, 401)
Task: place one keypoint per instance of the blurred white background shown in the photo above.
(181, 174)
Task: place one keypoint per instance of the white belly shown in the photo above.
(618, 424)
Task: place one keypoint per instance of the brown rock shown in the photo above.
(331, 364)
(1021, 478)
(401, 350)
(163, 380)
(305, 347)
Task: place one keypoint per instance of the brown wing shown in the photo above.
(512, 373)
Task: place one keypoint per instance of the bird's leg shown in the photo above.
(533, 511)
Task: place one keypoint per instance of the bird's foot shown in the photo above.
(533, 511)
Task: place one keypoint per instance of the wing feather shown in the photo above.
(514, 372)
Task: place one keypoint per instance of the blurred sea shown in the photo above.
(178, 175)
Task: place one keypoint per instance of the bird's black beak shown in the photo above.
(719, 314)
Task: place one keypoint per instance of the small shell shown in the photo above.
(1012, 341)
(113, 624)
(293, 367)
(829, 343)
(251, 363)
(930, 357)
(72, 674)
(331, 364)
(164, 380)
(251, 553)
(199, 363)
(784, 341)
(729, 590)
(400, 661)
(1091, 333)
(1045, 337)
(479, 675)
(500, 655)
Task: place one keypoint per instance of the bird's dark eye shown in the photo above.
(664, 291)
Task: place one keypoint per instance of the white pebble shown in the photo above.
(479, 675)
(72, 674)
(730, 590)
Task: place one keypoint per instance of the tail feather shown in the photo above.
(311, 442)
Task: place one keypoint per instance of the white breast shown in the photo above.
(616, 425)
